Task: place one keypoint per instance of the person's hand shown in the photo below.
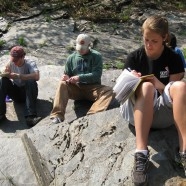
(65, 77)
(157, 84)
(73, 79)
(6, 70)
(135, 73)
(14, 76)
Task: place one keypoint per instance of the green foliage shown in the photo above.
(21, 41)
(18, 5)
(106, 66)
(183, 33)
(125, 15)
(181, 5)
(184, 53)
(118, 64)
(47, 18)
(95, 10)
(2, 42)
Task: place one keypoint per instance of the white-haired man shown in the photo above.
(82, 81)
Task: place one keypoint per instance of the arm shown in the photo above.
(173, 77)
(30, 71)
(177, 77)
(34, 76)
(33, 72)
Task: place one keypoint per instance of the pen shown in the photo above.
(129, 69)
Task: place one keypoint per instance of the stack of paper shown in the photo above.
(126, 85)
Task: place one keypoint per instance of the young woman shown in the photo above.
(160, 101)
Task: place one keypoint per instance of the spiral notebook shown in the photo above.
(126, 85)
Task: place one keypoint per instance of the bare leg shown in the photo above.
(178, 95)
(143, 114)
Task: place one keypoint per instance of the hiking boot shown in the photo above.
(56, 120)
(139, 173)
(32, 120)
(180, 159)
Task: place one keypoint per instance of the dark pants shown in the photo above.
(26, 94)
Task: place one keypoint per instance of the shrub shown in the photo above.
(88, 9)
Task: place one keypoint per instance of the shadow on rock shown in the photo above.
(44, 108)
(16, 120)
(81, 107)
(9, 126)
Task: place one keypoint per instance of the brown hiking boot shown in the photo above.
(139, 173)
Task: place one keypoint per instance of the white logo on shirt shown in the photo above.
(164, 74)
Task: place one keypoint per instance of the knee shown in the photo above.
(62, 83)
(105, 91)
(31, 84)
(62, 86)
(177, 88)
(5, 80)
(5, 83)
(146, 88)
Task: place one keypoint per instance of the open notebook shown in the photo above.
(126, 85)
(4, 74)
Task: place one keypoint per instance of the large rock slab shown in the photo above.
(21, 163)
(99, 150)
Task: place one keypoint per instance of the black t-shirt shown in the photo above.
(168, 63)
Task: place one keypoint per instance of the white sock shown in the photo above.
(145, 152)
(182, 152)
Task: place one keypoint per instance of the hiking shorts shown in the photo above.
(163, 113)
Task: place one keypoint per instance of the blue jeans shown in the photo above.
(26, 94)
